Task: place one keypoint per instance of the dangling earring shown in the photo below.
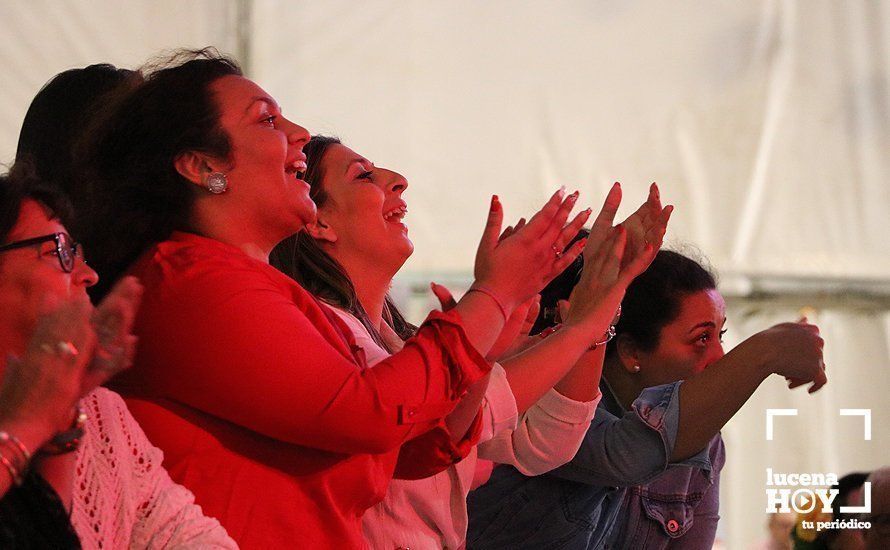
(636, 368)
(216, 183)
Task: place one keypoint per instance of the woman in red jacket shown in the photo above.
(250, 385)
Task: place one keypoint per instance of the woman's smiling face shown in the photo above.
(364, 207)
(266, 160)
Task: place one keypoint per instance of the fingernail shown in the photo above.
(588, 210)
(561, 191)
(616, 184)
(494, 202)
(573, 197)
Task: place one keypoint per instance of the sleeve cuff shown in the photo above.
(434, 451)
(456, 347)
(568, 410)
(498, 406)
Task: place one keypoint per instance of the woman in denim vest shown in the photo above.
(647, 474)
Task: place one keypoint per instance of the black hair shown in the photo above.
(21, 184)
(56, 119)
(138, 198)
(651, 302)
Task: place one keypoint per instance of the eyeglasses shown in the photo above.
(66, 250)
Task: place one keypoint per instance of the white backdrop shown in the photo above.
(767, 124)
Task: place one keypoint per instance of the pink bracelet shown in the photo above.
(493, 296)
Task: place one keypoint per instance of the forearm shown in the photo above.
(482, 319)
(582, 382)
(461, 418)
(537, 369)
(709, 399)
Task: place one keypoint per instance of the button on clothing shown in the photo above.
(672, 526)
(619, 491)
(431, 513)
(250, 387)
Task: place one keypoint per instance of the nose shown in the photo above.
(296, 134)
(397, 183)
(84, 275)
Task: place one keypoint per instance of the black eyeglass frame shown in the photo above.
(66, 248)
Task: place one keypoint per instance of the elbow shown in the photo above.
(540, 460)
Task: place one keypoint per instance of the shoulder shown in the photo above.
(192, 272)
(111, 427)
(101, 402)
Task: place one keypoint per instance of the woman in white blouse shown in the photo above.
(532, 412)
(76, 467)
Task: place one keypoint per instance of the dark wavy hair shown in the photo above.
(651, 302)
(301, 258)
(138, 198)
(21, 184)
(55, 121)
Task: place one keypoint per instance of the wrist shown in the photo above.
(16, 454)
(758, 358)
(503, 302)
(600, 332)
(32, 435)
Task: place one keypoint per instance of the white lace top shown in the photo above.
(123, 497)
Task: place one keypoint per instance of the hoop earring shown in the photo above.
(217, 183)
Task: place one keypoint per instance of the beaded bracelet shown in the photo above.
(488, 292)
(68, 440)
(607, 337)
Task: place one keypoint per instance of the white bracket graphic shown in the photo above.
(866, 419)
(866, 498)
(770, 413)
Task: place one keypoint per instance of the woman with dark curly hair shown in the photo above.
(251, 386)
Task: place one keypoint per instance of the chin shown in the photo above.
(406, 248)
(307, 213)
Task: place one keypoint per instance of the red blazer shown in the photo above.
(252, 389)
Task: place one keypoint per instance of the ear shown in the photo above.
(195, 166)
(628, 354)
(321, 231)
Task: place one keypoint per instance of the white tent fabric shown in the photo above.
(43, 37)
(767, 124)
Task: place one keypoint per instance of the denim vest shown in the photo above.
(619, 491)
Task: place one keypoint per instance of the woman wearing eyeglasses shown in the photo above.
(74, 466)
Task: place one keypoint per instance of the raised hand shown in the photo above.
(647, 225)
(519, 263)
(792, 350)
(515, 330)
(113, 322)
(607, 271)
(40, 389)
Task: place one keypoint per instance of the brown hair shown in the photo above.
(301, 258)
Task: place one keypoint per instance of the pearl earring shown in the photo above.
(636, 368)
